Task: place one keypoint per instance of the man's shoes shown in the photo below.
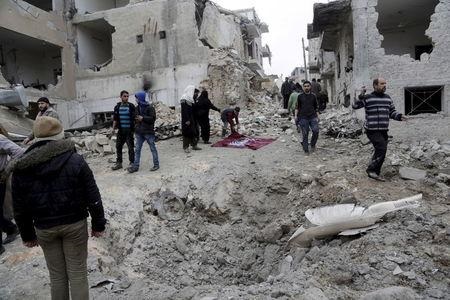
(2, 249)
(11, 237)
(375, 176)
(155, 168)
(186, 150)
(133, 169)
(196, 148)
(117, 166)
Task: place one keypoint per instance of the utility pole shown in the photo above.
(304, 59)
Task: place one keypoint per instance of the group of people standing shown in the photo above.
(54, 190)
(195, 107)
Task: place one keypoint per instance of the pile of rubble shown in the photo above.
(341, 122)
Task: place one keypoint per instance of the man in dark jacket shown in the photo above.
(230, 116)
(53, 192)
(123, 119)
(144, 131)
(307, 118)
(379, 109)
(202, 107)
(287, 88)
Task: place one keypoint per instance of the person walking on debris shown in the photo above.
(323, 100)
(379, 108)
(144, 131)
(53, 191)
(123, 120)
(8, 150)
(44, 110)
(202, 106)
(189, 128)
(315, 87)
(307, 117)
(230, 116)
(286, 89)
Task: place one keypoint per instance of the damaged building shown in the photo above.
(404, 41)
(82, 53)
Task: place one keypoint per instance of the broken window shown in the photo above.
(46, 5)
(427, 99)
(29, 61)
(94, 48)
(403, 24)
(90, 6)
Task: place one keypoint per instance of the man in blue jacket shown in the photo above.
(379, 109)
(144, 131)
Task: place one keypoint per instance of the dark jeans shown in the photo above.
(305, 125)
(203, 121)
(125, 136)
(379, 140)
(150, 139)
(5, 225)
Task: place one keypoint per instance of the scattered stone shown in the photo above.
(392, 293)
(412, 173)
(397, 270)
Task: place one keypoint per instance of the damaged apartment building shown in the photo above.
(404, 41)
(82, 53)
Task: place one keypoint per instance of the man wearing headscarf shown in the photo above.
(144, 131)
(189, 127)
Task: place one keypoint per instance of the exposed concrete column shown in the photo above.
(361, 74)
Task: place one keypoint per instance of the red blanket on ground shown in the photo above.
(236, 140)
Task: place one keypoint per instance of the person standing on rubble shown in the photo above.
(306, 115)
(189, 128)
(315, 87)
(379, 109)
(46, 110)
(8, 150)
(202, 106)
(286, 90)
(54, 191)
(144, 131)
(123, 120)
(230, 116)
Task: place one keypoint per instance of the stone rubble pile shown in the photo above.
(341, 122)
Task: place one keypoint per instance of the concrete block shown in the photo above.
(412, 173)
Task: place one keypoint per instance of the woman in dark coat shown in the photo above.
(202, 107)
(189, 127)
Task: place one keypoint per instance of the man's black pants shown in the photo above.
(125, 136)
(285, 101)
(379, 140)
(5, 225)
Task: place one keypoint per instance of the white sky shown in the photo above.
(287, 20)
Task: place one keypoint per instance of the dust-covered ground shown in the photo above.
(214, 224)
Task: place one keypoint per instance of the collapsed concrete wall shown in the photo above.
(402, 41)
(403, 72)
(23, 25)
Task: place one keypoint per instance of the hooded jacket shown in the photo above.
(53, 185)
(148, 113)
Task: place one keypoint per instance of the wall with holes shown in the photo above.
(401, 71)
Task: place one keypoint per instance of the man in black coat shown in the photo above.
(145, 131)
(123, 120)
(189, 128)
(202, 107)
(53, 192)
(306, 116)
(286, 90)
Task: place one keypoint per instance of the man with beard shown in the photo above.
(44, 110)
(379, 109)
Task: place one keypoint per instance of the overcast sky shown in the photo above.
(287, 20)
